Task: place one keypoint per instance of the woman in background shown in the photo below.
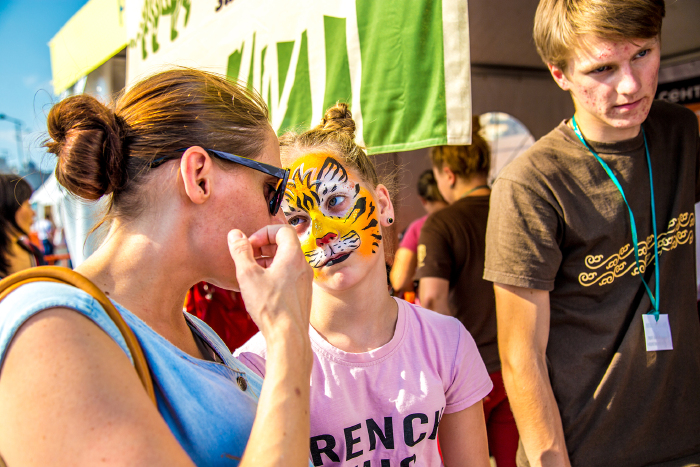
(451, 267)
(17, 216)
(404, 267)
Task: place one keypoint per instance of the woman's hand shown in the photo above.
(275, 282)
(274, 278)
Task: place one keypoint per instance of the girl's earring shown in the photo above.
(390, 220)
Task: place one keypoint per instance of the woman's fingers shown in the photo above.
(266, 235)
(273, 244)
(266, 251)
(264, 262)
(263, 243)
(288, 246)
(242, 253)
(274, 276)
(279, 242)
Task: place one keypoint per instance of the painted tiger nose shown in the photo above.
(329, 237)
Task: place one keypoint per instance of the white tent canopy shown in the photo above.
(48, 194)
(75, 217)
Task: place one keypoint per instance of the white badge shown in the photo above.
(657, 333)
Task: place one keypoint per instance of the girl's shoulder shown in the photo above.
(430, 322)
(444, 342)
(253, 354)
(433, 334)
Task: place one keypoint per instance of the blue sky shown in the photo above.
(26, 93)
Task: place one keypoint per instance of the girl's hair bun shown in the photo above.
(338, 118)
(88, 139)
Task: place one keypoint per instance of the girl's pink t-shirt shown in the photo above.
(382, 408)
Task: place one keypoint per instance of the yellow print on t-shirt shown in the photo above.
(604, 270)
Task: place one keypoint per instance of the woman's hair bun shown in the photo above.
(338, 118)
(88, 139)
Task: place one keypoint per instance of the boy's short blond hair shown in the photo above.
(560, 23)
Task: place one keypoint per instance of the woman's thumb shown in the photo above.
(241, 251)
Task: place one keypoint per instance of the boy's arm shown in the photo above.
(523, 332)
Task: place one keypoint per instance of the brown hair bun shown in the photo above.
(87, 137)
(338, 118)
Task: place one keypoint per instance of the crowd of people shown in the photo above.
(555, 317)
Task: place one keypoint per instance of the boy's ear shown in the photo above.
(196, 170)
(559, 76)
(384, 206)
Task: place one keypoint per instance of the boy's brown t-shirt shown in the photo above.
(558, 223)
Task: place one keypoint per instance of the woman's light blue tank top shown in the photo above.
(202, 402)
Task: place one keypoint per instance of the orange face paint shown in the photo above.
(332, 210)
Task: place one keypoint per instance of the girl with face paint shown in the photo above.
(388, 376)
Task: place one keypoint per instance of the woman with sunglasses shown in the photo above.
(190, 166)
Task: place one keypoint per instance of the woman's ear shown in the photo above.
(384, 206)
(196, 169)
(450, 176)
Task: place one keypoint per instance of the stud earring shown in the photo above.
(390, 220)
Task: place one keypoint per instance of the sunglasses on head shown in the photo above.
(282, 175)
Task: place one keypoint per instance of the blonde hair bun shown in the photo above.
(338, 118)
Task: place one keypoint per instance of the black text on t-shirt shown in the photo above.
(323, 446)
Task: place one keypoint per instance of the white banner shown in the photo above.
(403, 67)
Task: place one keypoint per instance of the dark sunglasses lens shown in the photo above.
(276, 200)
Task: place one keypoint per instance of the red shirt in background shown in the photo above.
(224, 311)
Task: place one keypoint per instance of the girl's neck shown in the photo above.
(359, 319)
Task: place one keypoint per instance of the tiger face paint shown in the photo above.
(334, 213)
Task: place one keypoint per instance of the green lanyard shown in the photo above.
(473, 190)
(633, 226)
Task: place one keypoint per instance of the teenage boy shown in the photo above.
(593, 269)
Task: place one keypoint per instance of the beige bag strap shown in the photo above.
(70, 277)
(67, 276)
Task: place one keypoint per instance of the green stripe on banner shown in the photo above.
(262, 69)
(397, 79)
(252, 63)
(338, 86)
(234, 63)
(299, 111)
(269, 101)
(284, 56)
